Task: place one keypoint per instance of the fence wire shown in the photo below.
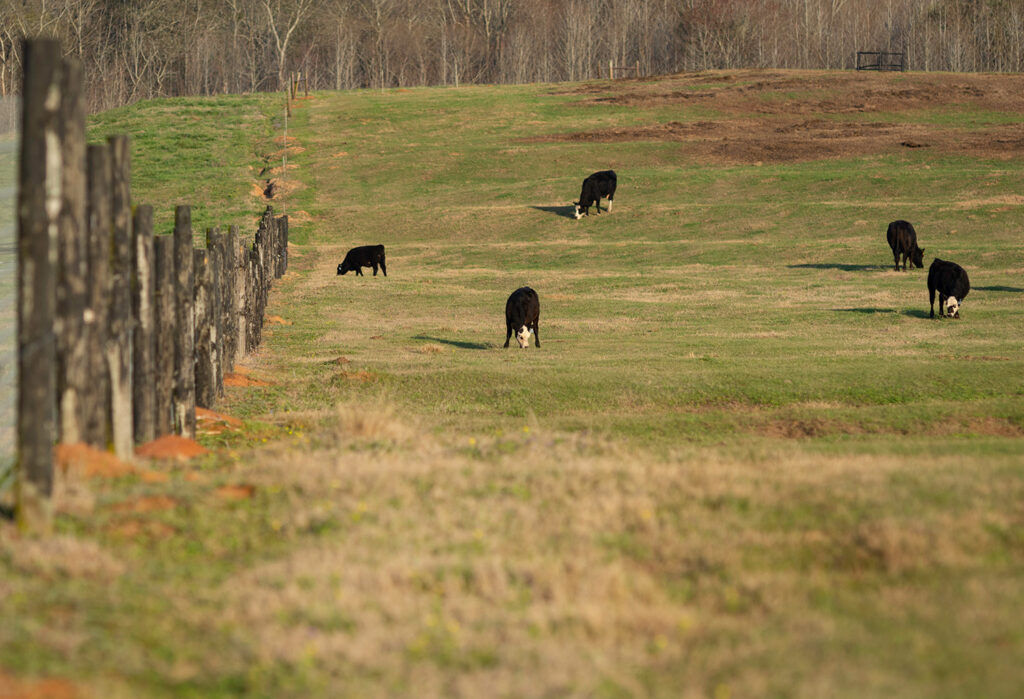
(9, 110)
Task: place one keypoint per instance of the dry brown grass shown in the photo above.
(539, 564)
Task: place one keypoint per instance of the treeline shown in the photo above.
(136, 49)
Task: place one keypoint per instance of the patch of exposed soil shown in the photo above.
(209, 422)
(238, 379)
(794, 116)
(235, 492)
(170, 447)
(45, 688)
(90, 462)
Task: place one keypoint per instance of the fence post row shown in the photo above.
(121, 333)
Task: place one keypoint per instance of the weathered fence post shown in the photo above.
(39, 206)
(72, 360)
(215, 245)
(143, 338)
(119, 347)
(282, 226)
(165, 331)
(96, 403)
(203, 348)
(230, 303)
(184, 338)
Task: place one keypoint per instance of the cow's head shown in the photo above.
(523, 337)
(342, 268)
(917, 257)
(952, 307)
(578, 213)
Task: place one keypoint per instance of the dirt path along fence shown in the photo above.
(120, 333)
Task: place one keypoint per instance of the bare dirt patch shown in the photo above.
(782, 116)
(238, 379)
(45, 688)
(210, 422)
(90, 462)
(235, 492)
(171, 447)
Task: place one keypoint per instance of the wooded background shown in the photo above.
(138, 49)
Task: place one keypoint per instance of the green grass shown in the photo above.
(743, 462)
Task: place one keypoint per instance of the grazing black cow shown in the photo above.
(950, 280)
(364, 256)
(903, 240)
(600, 184)
(522, 311)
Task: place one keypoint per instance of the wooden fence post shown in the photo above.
(72, 360)
(215, 245)
(143, 339)
(230, 300)
(184, 338)
(119, 347)
(96, 403)
(165, 330)
(203, 347)
(39, 206)
(282, 226)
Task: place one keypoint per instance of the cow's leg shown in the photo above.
(359, 271)
(374, 269)
(931, 302)
(895, 261)
(508, 333)
(536, 333)
(383, 268)
(609, 204)
(942, 305)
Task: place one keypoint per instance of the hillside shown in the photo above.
(744, 461)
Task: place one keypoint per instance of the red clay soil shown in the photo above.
(90, 462)
(762, 116)
(170, 446)
(47, 688)
(209, 422)
(236, 492)
(279, 320)
(238, 379)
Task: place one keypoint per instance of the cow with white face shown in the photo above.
(952, 307)
(600, 184)
(522, 313)
(950, 281)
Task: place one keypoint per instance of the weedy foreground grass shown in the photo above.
(744, 461)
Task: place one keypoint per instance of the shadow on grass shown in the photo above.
(864, 310)
(461, 344)
(564, 211)
(1010, 289)
(916, 314)
(836, 265)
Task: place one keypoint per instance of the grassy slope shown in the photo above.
(742, 463)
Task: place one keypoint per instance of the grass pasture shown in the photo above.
(744, 461)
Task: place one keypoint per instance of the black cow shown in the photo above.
(950, 280)
(364, 256)
(903, 240)
(522, 311)
(600, 184)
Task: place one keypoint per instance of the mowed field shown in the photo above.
(743, 462)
